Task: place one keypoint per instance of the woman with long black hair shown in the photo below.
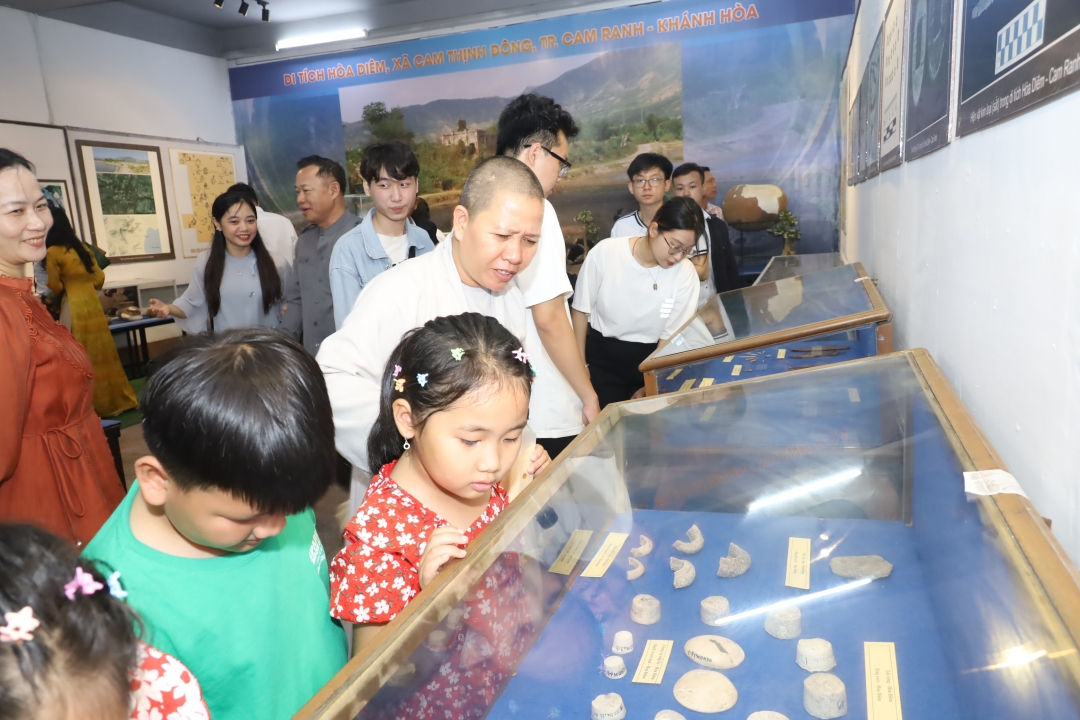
(237, 282)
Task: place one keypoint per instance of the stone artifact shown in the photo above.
(401, 677)
(438, 640)
(815, 655)
(645, 610)
(642, 549)
(705, 691)
(614, 667)
(784, 623)
(767, 715)
(694, 543)
(714, 652)
(684, 572)
(608, 707)
(668, 715)
(861, 566)
(624, 642)
(713, 609)
(824, 696)
(454, 618)
(735, 564)
(636, 569)
(753, 207)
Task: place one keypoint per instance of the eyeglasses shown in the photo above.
(566, 164)
(677, 251)
(654, 181)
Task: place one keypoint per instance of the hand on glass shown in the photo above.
(442, 546)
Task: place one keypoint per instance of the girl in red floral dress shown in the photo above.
(455, 399)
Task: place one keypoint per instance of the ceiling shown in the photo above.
(198, 26)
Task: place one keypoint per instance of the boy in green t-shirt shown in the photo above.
(216, 542)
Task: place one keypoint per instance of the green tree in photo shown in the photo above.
(652, 123)
(124, 194)
(386, 125)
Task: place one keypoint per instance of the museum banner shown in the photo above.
(929, 43)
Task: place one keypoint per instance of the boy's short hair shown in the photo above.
(395, 157)
(244, 411)
(329, 170)
(529, 119)
(647, 161)
(687, 168)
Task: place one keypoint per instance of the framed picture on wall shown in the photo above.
(124, 187)
(198, 178)
(57, 193)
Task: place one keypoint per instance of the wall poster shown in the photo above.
(872, 109)
(58, 194)
(929, 44)
(125, 197)
(892, 85)
(1015, 53)
(198, 178)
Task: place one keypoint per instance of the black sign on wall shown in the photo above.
(929, 44)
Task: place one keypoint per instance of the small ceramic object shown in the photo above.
(713, 651)
(624, 642)
(608, 707)
(766, 715)
(784, 623)
(705, 691)
(824, 696)
(684, 572)
(643, 549)
(815, 655)
(668, 715)
(636, 569)
(454, 618)
(405, 672)
(645, 610)
(438, 640)
(614, 667)
(714, 609)
(861, 566)
(735, 564)
(694, 542)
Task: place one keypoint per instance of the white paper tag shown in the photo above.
(991, 482)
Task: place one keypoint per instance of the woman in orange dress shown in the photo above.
(74, 272)
(55, 466)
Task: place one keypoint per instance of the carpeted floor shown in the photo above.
(132, 417)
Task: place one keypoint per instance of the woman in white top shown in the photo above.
(237, 282)
(633, 292)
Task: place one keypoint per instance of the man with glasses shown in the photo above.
(714, 258)
(650, 180)
(537, 131)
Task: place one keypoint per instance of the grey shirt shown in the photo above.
(241, 295)
(309, 306)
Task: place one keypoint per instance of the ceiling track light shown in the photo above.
(265, 10)
(244, 7)
(219, 3)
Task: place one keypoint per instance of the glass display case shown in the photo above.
(785, 266)
(818, 319)
(768, 487)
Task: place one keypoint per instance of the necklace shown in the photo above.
(633, 252)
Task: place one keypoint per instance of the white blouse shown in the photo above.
(241, 295)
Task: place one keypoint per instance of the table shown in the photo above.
(136, 333)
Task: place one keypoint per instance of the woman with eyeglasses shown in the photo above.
(632, 294)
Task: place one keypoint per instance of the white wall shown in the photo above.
(977, 252)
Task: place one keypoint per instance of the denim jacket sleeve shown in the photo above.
(345, 283)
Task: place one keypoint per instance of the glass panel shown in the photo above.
(785, 266)
(854, 458)
(774, 306)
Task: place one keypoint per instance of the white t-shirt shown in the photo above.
(277, 233)
(555, 409)
(628, 226)
(708, 288)
(617, 294)
(397, 248)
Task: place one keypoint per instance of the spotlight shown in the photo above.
(265, 10)
(244, 7)
(219, 3)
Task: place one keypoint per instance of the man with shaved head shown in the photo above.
(496, 231)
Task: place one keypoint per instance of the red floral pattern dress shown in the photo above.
(376, 574)
(162, 688)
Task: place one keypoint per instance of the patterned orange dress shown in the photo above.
(113, 393)
(55, 467)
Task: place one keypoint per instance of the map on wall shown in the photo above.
(198, 178)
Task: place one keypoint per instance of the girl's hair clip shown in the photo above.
(115, 588)
(20, 626)
(399, 384)
(521, 355)
(422, 379)
(83, 583)
(457, 353)
(397, 370)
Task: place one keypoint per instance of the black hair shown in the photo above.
(704, 169)
(421, 210)
(329, 169)
(61, 234)
(680, 213)
(687, 168)
(494, 174)
(269, 279)
(532, 118)
(244, 411)
(487, 358)
(11, 159)
(648, 161)
(246, 190)
(82, 650)
(395, 157)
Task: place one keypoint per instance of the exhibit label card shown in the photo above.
(687, 384)
(706, 382)
(882, 683)
(654, 660)
(675, 374)
(570, 554)
(605, 555)
(736, 371)
(781, 353)
(798, 563)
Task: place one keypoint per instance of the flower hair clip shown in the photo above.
(83, 583)
(457, 353)
(422, 379)
(399, 384)
(397, 370)
(521, 355)
(115, 588)
(20, 626)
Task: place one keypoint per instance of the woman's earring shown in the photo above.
(407, 445)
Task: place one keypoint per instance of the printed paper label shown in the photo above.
(605, 555)
(781, 353)
(729, 358)
(706, 382)
(736, 371)
(570, 554)
(687, 384)
(853, 395)
(798, 563)
(991, 482)
(654, 660)
(882, 683)
(675, 374)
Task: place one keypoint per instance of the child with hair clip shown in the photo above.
(68, 642)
